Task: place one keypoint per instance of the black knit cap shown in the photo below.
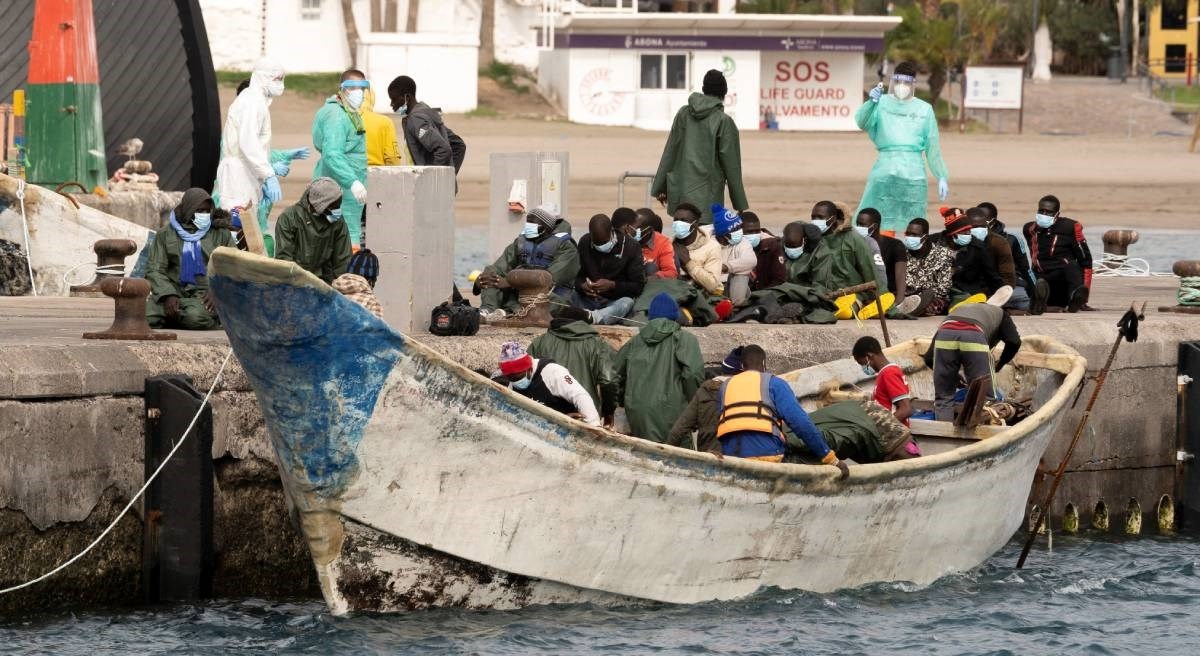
(715, 84)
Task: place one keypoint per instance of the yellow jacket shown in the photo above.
(382, 149)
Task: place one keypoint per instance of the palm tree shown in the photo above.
(929, 42)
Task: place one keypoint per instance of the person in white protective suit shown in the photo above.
(246, 174)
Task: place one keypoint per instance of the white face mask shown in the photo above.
(902, 91)
(355, 98)
(274, 88)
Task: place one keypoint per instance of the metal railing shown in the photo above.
(1167, 90)
(552, 10)
(649, 177)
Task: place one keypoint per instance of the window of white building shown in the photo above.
(660, 71)
(310, 9)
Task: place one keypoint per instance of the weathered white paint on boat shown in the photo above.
(61, 235)
(440, 471)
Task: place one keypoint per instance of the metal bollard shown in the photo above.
(1117, 242)
(129, 317)
(110, 256)
(533, 287)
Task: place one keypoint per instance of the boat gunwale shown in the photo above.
(239, 265)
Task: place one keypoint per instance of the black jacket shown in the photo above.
(430, 141)
(1020, 262)
(1061, 243)
(623, 265)
(974, 269)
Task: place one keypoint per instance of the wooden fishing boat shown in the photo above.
(61, 234)
(419, 483)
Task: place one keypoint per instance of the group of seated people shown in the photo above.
(816, 271)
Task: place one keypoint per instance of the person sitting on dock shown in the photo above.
(964, 342)
(754, 405)
(1060, 256)
(538, 246)
(853, 262)
(546, 382)
(893, 254)
(611, 273)
(177, 267)
(699, 254)
(574, 344)
(659, 371)
(974, 277)
(768, 250)
(313, 234)
(930, 265)
(738, 259)
(1021, 278)
(658, 254)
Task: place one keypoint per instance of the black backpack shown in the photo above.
(454, 317)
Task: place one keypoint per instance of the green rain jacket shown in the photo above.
(162, 265)
(578, 347)
(563, 268)
(814, 268)
(343, 157)
(853, 263)
(307, 238)
(659, 371)
(702, 155)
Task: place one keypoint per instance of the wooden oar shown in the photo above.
(1128, 330)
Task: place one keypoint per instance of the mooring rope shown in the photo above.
(25, 227)
(137, 495)
(1189, 291)
(1113, 265)
(111, 269)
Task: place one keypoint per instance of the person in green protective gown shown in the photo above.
(340, 137)
(902, 128)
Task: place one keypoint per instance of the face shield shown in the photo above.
(901, 87)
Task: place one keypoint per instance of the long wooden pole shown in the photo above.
(1062, 466)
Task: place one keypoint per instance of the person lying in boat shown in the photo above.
(313, 234)
(696, 428)
(964, 342)
(547, 383)
(574, 344)
(753, 406)
(177, 266)
(544, 243)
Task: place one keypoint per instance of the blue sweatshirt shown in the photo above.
(749, 444)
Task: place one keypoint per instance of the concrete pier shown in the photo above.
(71, 433)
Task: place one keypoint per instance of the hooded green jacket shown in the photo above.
(702, 155)
(659, 371)
(306, 237)
(578, 347)
(163, 262)
(853, 263)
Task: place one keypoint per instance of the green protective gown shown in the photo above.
(343, 157)
(578, 347)
(703, 154)
(659, 371)
(897, 185)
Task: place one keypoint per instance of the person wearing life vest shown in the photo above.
(542, 244)
(754, 406)
(546, 382)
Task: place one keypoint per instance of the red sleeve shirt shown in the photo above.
(661, 253)
(890, 386)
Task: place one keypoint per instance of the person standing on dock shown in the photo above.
(177, 268)
(753, 408)
(703, 154)
(546, 382)
(964, 343)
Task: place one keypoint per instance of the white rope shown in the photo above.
(136, 496)
(112, 269)
(25, 227)
(1123, 266)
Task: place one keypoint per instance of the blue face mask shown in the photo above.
(202, 220)
(862, 230)
(912, 243)
(334, 215)
(606, 247)
(403, 111)
(681, 229)
(637, 234)
(735, 237)
(1044, 220)
(531, 230)
(979, 233)
(524, 383)
(754, 239)
(869, 370)
(821, 224)
(793, 253)
(963, 239)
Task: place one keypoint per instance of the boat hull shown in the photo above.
(416, 451)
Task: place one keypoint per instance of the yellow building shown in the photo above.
(1174, 36)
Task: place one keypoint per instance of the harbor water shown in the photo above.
(1093, 594)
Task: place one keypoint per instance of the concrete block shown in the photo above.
(545, 175)
(145, 208)
(412, 232)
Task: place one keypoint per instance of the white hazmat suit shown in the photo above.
(245, 171)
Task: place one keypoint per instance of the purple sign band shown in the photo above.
(685, 42)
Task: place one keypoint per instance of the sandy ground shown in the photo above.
(1143, 181)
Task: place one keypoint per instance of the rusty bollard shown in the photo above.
(110, 256)
(1117, 242)
(129, 318)
(533, 292)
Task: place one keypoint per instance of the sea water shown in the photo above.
(1093, 594)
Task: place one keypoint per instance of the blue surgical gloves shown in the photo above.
(876, 93)
(298, 153)
(271, 190)
(282, 168)
(943, 188)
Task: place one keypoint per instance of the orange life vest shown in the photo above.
(746, 405)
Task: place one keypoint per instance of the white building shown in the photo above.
(638, 68)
